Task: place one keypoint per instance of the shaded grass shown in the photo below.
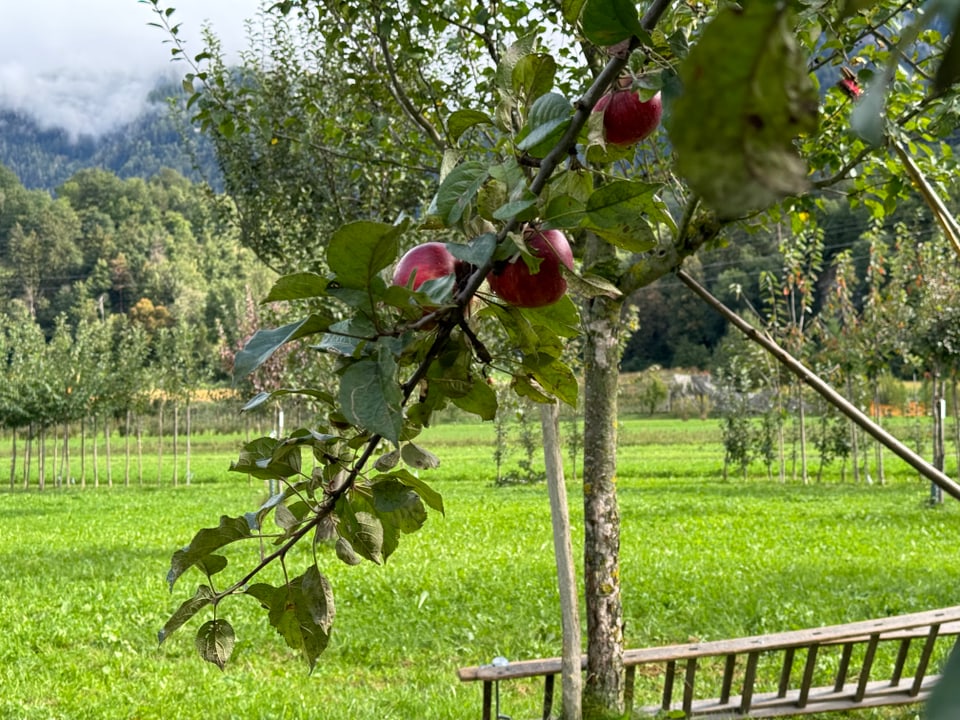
(82, 591)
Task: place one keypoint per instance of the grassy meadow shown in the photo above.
(83, 591)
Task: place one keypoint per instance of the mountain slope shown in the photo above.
(44, 157)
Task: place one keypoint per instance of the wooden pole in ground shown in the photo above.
(571, 668)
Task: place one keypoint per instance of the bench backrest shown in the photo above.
(801, 658)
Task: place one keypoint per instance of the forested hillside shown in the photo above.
(157, 251)
(43, 157)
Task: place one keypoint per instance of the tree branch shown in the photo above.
(400, 95)
(824, 390)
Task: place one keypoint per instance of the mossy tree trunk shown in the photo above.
(604, 687)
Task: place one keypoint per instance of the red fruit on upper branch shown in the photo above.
(518, 285)
(424, 262)
(849, 85)
(626, 118)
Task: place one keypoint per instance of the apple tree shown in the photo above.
(503, 125)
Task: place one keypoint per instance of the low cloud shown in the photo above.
(89, 67)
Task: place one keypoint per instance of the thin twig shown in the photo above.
(823, 389)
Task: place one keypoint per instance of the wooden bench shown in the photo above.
(818, 670)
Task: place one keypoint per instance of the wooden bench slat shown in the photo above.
(903, 687)
(924, 659)
(729, 666)
(915, 626)
(901, 661)
(786, 671)
(866, 668)
(824, 699)
(844, 666)
(689, 681)
(750, 677)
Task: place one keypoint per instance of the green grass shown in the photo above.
(83, 592)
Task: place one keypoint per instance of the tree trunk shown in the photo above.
(571, 674)
(854, 435)
(160, 444)
(83, 452)
(187, 470)
(780, 438)
(801, 416)
(42, 459)
(109, 456)
(956, 424)
(139, 422)
(176, 447)
(57, 474)
(939, 450)
(13, 459)
(878, 458)
(96, 454)
(126, 450)
(66, 453)
(27, 456)
(603, 692)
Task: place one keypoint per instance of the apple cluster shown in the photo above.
(626, 121)
(513, 280)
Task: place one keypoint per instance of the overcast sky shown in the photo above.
(88, 64)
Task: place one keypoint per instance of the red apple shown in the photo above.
(626, 118)
(518, 285)
(424, 262)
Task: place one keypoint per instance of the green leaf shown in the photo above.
(556, 378)
(346, 552)
(590, 286)
(430, 496)
(571, 10)
(417, 457)
(358, 251)
(562, 213)
(266, 458)
(203, 597)
(462, 120)
(867, 118)
(560, 318)
(347, 337)
(477, 251)
(945, 697)
(291, 612)
(458, 190)
(524, 388)
(742, 106)
(371, 397)
(388, 461)
(215, 641)
(514, 54)
(318, 598)
(212, 564)
(265, 343)
(549, 117)
(852, 7)
(298, 286)
(403, 506)
(481, 400)
(618, 212)
(607, 22)
(533, 75)
(517, 208)
(948, 72)
(363, 530)
(205, 542)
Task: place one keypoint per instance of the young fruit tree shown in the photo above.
(568, 167)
